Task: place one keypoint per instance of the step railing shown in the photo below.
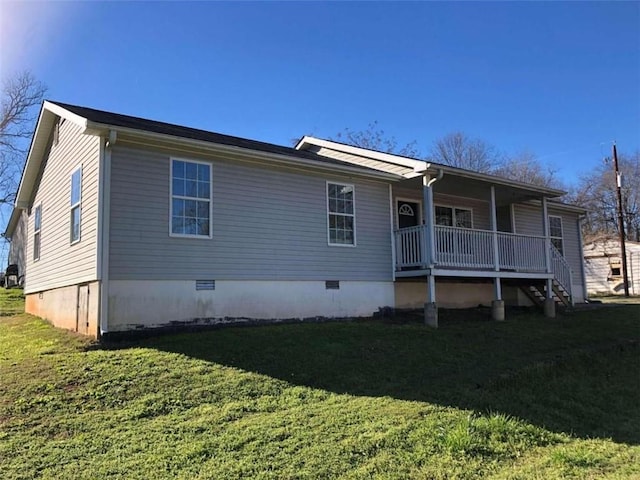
(561, 271)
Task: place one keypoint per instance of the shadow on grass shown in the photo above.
(576, 374)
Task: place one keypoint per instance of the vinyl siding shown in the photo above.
(61, 263)
(529, 222)
(268, 224)
(17, 253)
(598, 261)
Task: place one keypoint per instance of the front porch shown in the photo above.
(443, 243)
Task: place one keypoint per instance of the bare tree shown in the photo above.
(374, 138)
(525, 167)
(596, 191)
(457, 149)
(20, 96)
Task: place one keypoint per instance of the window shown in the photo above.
(76, 196)
(190, 199)
(341, 213)
(37, 223)
(555, 232)
(454, 217)
(616, 269)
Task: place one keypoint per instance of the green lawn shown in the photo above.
(528, 398)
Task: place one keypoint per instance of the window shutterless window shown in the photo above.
(76, 199)
(454, 217)
(341, 219)
(190, 199)
(555, 232)
(37, 224)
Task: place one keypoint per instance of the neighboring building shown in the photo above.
(603, 267)
(132, 223)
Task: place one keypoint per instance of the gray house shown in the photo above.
(126, 223)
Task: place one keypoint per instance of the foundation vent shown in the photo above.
(205, 284)
(332, 284)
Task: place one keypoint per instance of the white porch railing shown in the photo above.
(469, 248)
(561, 271)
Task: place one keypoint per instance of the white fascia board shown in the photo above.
(13, 222)
(245, 153)
(420, 166)
(362, 152)
(39, 142)
(66, 114)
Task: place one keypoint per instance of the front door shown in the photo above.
(408, 214)
(409, 247)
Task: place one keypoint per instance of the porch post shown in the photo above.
(549, 302)
(497, 305)
(430, 307)
(427, 214)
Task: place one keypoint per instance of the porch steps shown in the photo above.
(537, 294)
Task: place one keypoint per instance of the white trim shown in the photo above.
(182, 197)
(552, 237)
(104, 209)
(512, 209)
(393, 237)
(441, 272)
(73, 206)
(409, 200)
(353, 215)
(362, 152)
(38, 232)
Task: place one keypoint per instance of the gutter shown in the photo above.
(245, 153)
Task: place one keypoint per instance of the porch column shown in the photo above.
(549, 302)
(497, 305)
(430, 307)
(427, 214)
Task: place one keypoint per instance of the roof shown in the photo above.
(110, 119)
(414, 167)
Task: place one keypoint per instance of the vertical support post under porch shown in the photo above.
(430, 308)
(497, 305)
(549, 302)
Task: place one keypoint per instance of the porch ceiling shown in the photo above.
(477, 189)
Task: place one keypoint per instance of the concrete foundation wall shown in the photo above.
(153, 303)
(61, 307)
(413, 294)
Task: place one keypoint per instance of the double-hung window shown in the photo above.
(190, 198)
(37, 224)
(341, 214)
(555, 232)
(454, 217)
(76, 198)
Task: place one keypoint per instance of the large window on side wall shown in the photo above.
(76, 200)
(190, 214)
(341, 214)
(555, 232)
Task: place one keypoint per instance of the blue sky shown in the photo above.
(559, 79)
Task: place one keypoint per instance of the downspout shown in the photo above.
(585, 295)
(428, 213)
(393, 234)
(103, 236)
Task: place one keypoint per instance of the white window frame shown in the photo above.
(77, 205)
(453, 214)
(37, 235)
(409, 200)
(555, 237)
(329, 213)
(183, 197)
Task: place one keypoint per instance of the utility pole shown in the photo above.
(625, 277)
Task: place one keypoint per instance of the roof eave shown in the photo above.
(247, 153)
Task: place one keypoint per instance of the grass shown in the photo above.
(528, 398)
